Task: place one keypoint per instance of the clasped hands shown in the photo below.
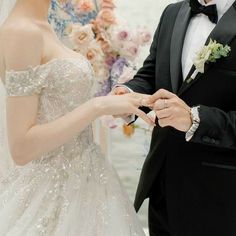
(170, 110)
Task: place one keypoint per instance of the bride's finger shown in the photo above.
(144, 116)
(140, 95)
(140, 102)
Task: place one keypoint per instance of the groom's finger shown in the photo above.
(160, 94)
(165, 113)
(160, 104)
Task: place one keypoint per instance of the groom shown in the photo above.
(190, 172)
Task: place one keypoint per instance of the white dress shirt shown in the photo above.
(198, 31)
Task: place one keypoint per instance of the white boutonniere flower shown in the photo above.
(208, 54)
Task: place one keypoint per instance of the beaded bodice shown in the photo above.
(62, 85)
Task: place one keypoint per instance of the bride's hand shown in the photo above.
(123, 104)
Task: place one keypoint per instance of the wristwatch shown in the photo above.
(196, 121)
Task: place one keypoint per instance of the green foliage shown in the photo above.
(217, 51)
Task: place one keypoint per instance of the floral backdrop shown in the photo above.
(94, 30)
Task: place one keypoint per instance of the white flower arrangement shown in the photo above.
(208, 54)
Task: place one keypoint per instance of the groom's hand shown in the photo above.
(170, 110)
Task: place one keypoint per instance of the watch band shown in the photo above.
(196, 121)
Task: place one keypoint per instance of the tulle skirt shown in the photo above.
(57, 197)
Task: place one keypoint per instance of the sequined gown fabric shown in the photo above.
(73, 190)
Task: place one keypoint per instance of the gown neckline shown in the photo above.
(56, 59)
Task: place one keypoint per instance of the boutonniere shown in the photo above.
(208, 54)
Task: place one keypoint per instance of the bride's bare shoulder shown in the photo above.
(21, 44)
(21, 33)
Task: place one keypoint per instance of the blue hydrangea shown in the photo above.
(60, 16)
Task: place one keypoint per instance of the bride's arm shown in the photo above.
(29, 140)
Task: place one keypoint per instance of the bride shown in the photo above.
(61, 185)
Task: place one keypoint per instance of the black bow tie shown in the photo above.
(210, 11)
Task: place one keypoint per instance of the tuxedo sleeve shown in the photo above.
(217, 128)
(144, 80)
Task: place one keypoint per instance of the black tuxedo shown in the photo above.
(191, 185)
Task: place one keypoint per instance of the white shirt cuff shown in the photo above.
(124, 86)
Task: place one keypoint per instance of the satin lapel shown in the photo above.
(177, 42)
(224, 32)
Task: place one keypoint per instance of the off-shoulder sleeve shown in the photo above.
(26, 83)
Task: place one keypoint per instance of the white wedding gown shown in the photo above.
(73, 190)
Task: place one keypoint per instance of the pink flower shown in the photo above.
(81, 35)
(108, 4)
(146, 38)
(85, 6)
(105, 45)
(130, 50)
(93, 53)
(110, 60)
(143, 36)
(123, 35)
(106, 17)
(118, 36)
